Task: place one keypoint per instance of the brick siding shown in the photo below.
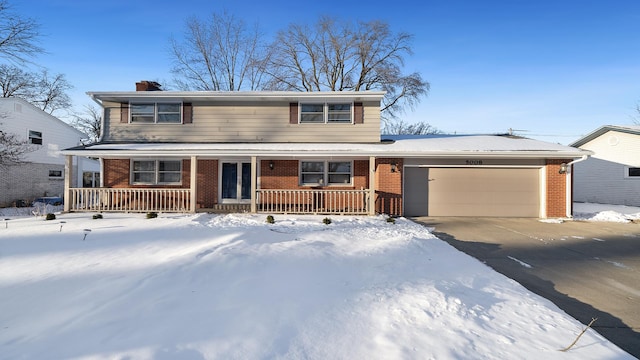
(389, 186)
(117, 174)
(207, 183)
(556, 189)
(25, 182)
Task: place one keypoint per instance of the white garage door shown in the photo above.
(494, 192)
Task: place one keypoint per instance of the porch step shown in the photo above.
(227, 208)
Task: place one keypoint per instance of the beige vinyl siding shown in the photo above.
(243, 122)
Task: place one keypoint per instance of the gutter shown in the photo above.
(569, 183)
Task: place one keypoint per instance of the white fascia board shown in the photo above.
(323, 153)
(236, 95)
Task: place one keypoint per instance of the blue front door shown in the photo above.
(236, 182)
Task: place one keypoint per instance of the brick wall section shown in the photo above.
(285, 175)
(556, 189)
(207, 183)
(389, 186)
(28, 181)
(117, 175)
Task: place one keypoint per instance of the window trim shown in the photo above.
(37, 135)
(627, 169)
(326, 173)
(61, 176)
(156, 172)
(156, 112)
(325, 112)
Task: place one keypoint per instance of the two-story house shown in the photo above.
(307, 152)
(41, 173)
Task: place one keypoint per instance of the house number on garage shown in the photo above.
(474, 162)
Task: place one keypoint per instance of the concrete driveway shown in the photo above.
(588, 269)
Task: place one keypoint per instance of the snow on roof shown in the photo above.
(401, 146)
(629, 129)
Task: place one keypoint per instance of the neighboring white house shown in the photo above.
(612, 174)
(42, 174)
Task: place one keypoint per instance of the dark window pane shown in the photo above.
(339, 107)
(246, 181)
(229, 181)
(339, 179)
(142, 113)
(35, 137)
(312, 166)
(144, 166)
(169, 177)
(169, 165)
(311, 118)
(305, 108)
(143, 177)
(343, 167)
(169, 118)
(634, 172)
(168, 108)
(312, 178)
(339, 113)
(312, 113)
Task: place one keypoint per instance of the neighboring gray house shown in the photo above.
(612, 174)
(42, 174)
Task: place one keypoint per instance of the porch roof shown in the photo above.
(451, 146)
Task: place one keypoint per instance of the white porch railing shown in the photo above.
(129, 200)
(313, 201)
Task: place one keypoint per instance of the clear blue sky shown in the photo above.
(553, 69)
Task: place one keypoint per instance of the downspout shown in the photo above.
(569, 182)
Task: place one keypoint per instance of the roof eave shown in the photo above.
(601, 131)
(324, 153)
(235, 95)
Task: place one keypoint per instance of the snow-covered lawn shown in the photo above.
(605, 212)
(234, 287)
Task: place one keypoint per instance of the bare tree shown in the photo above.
(339, 56)
(16, 82)
(89, 122)
(400, 127)
(52, 92)
(39, 88)
(18, 35)
(12, 148)
(219, 53)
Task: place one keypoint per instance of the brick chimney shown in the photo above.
(146, 85)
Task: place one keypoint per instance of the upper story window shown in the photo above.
(326, 113)
(325, 172)
(161, 113)
(154, 172)
(35, 137)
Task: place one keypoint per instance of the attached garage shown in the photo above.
(472, 191)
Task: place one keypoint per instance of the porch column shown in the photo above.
(372, 185)
(254, 182)
(68, 174)
(193, 187)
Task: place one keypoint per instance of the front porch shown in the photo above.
(271, 201)
(271, 185)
